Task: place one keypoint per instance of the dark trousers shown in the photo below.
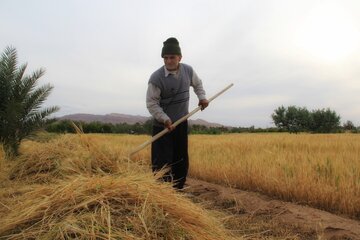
(171, 150)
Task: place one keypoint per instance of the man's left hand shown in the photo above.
(203, 103)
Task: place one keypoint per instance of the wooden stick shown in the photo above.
(166, 130)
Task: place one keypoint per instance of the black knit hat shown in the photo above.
(171, 46)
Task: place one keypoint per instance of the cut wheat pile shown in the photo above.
(76, 188)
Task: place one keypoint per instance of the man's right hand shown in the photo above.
(168, 125)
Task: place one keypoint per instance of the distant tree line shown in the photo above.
(290, 119)
(201, 129)
(295, 119)
(66, 126)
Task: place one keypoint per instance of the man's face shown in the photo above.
(171, 62)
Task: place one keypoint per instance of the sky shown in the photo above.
(99, 55)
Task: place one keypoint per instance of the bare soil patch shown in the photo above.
(257, 216)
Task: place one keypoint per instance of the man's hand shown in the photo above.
(168, 125)
(203, 103)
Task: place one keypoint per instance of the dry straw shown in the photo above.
(66, 156)
(108, 207)
(91, 193)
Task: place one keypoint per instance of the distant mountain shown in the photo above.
(124, 118)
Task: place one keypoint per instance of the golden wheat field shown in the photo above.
(320, 170)
(69, 187)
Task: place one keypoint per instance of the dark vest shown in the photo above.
(174, 92)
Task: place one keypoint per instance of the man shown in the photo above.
(167, 100)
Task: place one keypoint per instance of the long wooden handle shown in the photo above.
(166, 130)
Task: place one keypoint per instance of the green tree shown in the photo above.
(298, 119)
(324, 121)
(20, 102)
(349, 125)
(63, 126)
(148, 126)
(92, 127)
(279, 118)
(292, 119)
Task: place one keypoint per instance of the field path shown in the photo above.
(305, 222)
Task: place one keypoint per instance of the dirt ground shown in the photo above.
(256, 216)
